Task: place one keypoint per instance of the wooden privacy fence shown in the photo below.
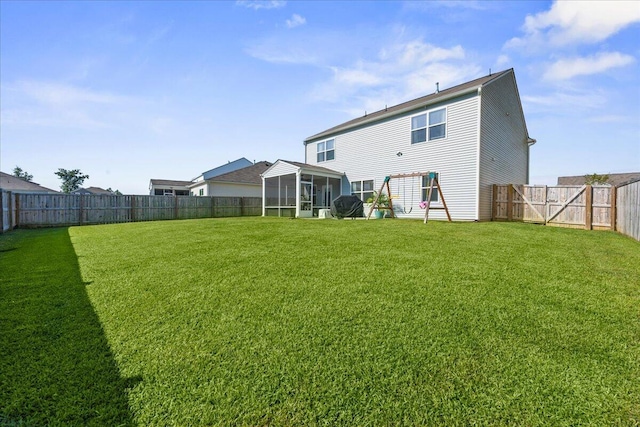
(53, 210)
(628, 210)
(583, 206)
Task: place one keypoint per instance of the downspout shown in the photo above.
(478, 153)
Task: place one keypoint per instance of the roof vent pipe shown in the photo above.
(437, 87)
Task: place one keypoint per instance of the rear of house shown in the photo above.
(471, 136)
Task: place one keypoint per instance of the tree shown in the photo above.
(71, 179)
(17, 171)
(594, 178)
(115, 192)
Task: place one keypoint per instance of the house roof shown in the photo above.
(248, 175)
(13, 183)
(615, 179)
(411, 105)
(307, 168)
(91, 190)
(170, 183)
(312, 168)
(240, 163)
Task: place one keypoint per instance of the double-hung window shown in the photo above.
(429, 126)
(362, 189)
(326, 150)
(426, 185)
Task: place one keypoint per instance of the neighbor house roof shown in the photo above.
(170, 183)
(615, 179)
(240, 163)
(442, 95)
(13, 183)
(247, 175)
(91, 190)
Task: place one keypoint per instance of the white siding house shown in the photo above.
(472, 135)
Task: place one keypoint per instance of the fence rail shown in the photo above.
(53, 210)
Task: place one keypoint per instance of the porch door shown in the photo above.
(305, 200)
(327, 193)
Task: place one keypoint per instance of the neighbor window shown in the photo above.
(201, 192)
(326, 150)
(362, 189)
(426, 184)
(431, 125)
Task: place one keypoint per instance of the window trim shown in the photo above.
(423, 189)
(361, 192)
(428, 126)
(325, 151)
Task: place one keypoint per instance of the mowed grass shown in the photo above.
(260, 321)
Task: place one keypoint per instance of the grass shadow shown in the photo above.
(56, 367)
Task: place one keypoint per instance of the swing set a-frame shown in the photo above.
(433, 177)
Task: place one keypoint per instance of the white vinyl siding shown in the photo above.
(504, 151)
(373, 151)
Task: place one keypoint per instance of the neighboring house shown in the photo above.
(92, 191)
(472, 136)
(160, 187)
(167, 187)
(615, 179)
(13, 183)
(242, 182)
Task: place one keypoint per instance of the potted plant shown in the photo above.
(383, 202)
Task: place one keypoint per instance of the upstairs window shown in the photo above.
(431, 125)
(362, 189)
(326, 150)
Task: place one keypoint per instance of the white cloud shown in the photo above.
(62, 94)
(576, 22)
(296, 21)
(503, 60)
(401, 72)
(53, 104)
(564, 69)
(261, 4)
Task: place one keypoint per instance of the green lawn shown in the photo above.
(267, 321)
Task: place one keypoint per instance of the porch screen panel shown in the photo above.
(288, 190)
(271, 186)
(336, 188)
(319, 187)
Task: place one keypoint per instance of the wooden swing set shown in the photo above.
(434, 184)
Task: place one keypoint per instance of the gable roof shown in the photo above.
(91, 190)
(13, 183)
(442, 95)
(306, 168)
(248, 175)
(240, 163)
(615, 179)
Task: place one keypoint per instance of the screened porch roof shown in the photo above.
(284, 167)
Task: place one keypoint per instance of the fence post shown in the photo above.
(133, 208)
(175, 208)
(613, 212)
(81, 213)
(510, 202)
(494, 204)
(241, 206)
(2, 211)
(588, 207)
(17, 209)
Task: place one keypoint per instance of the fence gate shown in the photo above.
(570, 206)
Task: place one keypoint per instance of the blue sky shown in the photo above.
(129, 91)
